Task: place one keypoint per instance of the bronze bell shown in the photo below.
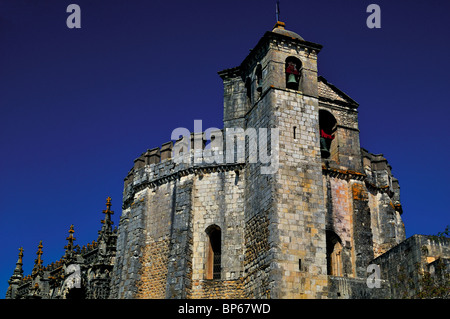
(292, 79)
(324, 151)
(259, 88)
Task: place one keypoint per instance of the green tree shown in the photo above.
(435, 285)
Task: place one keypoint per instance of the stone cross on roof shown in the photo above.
(108, 212)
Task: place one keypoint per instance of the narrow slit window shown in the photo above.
(248, 89)
(259, 78)
(214, 252)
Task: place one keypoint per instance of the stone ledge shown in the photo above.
(190, 170)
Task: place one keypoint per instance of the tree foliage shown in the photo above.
(435, 282)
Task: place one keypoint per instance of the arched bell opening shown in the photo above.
(293, 68)
(327, 126)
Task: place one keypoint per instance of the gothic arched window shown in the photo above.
(214, 252)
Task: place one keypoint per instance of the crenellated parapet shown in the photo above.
(171, 161)
(387, 226)
(379, 176)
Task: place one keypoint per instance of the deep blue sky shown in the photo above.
(77, 106)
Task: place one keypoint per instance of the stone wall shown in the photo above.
(258, 215)
(388, 229)
(362, 229)
(154, 272)
(218, 289)
(356, 288)
(403, 264)
(130, 243)
(339, 219)
(179, 278)
(300, 209)
(162, 238)
(257, 249)
(234, 98)
(273, 227)
(218, 200)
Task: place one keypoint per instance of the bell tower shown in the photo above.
(276, 87)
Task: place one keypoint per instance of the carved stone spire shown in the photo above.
(69, 247)
(20, 256)
(107, 222)
(16, 278)
(18, 272)
(38, 261)
(70, 244)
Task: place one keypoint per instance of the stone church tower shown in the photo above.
(282, 202)
(196, 229)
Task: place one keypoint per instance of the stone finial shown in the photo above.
(39, 253)
(19, 261)
(70, 239)
(108, 203)
(18, 272)
(107, 222)
(38, 261)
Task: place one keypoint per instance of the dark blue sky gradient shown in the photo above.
(77, 106)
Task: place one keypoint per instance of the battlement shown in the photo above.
(172, 160)
(410, 259)
(379, 175)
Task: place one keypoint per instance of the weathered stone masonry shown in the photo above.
(195, 228)
(284, 235)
